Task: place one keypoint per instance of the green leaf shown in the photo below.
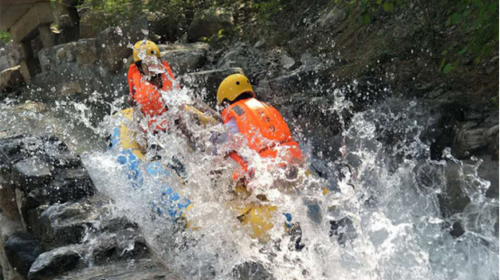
(493, 7)
(388, 7)
(464, 50)
(455, 18)
(448, 68)
(366, 19)
(443, 61)
(445, 52)
(379, 2)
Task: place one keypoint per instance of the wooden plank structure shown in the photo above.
(26, 20)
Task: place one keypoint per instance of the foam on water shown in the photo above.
(384, 205)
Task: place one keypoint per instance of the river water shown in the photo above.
(381, 218)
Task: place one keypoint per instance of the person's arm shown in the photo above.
(219, 139)
(130, 99)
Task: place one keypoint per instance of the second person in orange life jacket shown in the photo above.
(258, 124)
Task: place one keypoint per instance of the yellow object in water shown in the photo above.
(127, 136)
(257, 217)
(204, 119)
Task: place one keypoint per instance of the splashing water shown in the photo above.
(381, 219)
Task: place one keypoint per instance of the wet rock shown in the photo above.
(206, 83)
(207, 23)
(8, 201)
(11, 55)
(11, 79)
(4, 63)
(118, 239)
(343, 229)
(63, 224)
(260, 44)
(112, 44)
(86, 52)
(32, 173)
(55, 262)
(70, 88)
(50, 58)
(332, 18)
(287, 62)
(30, 106)
(68, 185)
(21, 249)
(67, 53)
(469, 140)
(309, 60)
(251, 270)
(143, 269)
(243, 56)
(185, 58)
(457, 229)
(44, 171)
(8, 227)
(109, 248)
(47, 57)
(453, 200)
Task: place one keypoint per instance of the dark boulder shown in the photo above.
(44, 170)
(86, 53)
(32, 173)
(11, 79)
(184, 58)
(112, 44)
(118, 239)
(251, 270)
(207, 23)
(63, 224)
(22, 249)
(55, 262)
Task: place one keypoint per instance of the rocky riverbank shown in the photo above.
(54, 224)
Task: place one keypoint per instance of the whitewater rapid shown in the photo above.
(384, 201)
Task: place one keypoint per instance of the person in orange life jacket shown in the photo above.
(258, 124)
(146, 77)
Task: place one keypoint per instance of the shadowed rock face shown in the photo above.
(22, 249)
(207, 23)
(64, 226)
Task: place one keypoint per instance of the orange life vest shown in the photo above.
(264, 129)
(147, 95)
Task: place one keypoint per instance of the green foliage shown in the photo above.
(370, 8)
(5, 37)
(116, 12)
(474, 22)
(268, 8)
(478, 21)
(477, 24)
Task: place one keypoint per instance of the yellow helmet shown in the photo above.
(232, 87)
(148, 47)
